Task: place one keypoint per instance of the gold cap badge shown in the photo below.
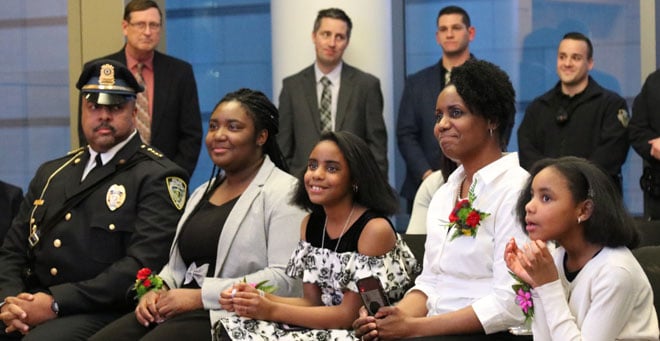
(107, 76)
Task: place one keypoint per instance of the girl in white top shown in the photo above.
(591, 287)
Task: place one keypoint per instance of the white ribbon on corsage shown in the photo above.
(196, 273)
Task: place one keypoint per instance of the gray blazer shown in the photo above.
(256, 242)
(359, 110)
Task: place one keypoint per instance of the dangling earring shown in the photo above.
(490, 130)
(355, 188)
(579, 220)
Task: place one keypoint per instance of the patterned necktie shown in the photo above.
(143, 121)
(324, 108)
(447, 77)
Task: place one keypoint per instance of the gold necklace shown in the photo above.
(325, 225)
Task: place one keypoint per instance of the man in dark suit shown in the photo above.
(171, 91)
(416, 119)
(10, 199)
(90, 220)
(351, 100)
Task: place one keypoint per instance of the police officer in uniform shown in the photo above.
(90, 220)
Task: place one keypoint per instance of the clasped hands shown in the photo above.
(156, 306)
(25, 310)
(245, 300)
(533, 262)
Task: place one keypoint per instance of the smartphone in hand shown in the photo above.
(372, 293)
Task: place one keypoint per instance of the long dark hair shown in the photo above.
(609, 224)
(373, 190)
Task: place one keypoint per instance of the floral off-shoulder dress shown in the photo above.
(333, 272)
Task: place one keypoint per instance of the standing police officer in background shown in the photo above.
(90, 220)
(644, 134)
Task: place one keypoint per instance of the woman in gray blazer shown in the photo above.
(240, 225)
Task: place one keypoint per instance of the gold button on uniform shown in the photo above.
(111, 227)
(67, 217)
(53, 271)
(57, 243)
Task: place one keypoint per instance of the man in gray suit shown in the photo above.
(330, 95)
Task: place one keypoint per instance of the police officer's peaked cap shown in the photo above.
(108, 82)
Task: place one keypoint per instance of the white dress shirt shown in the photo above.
(471, 270)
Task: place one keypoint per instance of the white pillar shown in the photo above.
(370, 47)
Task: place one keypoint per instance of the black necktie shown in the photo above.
(99, 164)
(98, 161)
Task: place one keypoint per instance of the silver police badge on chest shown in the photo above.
(115, 197)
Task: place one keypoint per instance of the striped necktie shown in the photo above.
(143, 121)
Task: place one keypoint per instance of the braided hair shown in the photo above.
(265, 116)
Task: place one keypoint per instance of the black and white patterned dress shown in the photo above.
(333, 272)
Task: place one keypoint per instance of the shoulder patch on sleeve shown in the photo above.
(623, 117)
(177, 189)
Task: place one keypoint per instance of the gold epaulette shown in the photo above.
(74, 151)
(151, 151)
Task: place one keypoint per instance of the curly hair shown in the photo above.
(609, 224)
(487, 91)
(373, 190)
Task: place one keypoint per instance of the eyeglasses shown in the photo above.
(141, 25)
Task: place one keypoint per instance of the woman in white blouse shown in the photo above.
(465, 287)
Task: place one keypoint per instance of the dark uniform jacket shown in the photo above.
(593, 127)
(88, 255)
(645, 121)
(176, 123)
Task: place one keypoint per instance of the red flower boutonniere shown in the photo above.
(464, 217)
(146, 281)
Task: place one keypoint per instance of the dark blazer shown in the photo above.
(88, 257)
(359, 110)
(10, 200)
(414, 130)
(176, 126)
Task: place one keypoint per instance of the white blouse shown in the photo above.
(471, 270)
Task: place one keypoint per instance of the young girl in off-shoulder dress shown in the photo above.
(347, 236)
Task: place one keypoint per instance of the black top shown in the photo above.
(198, 240)
(349, 240)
